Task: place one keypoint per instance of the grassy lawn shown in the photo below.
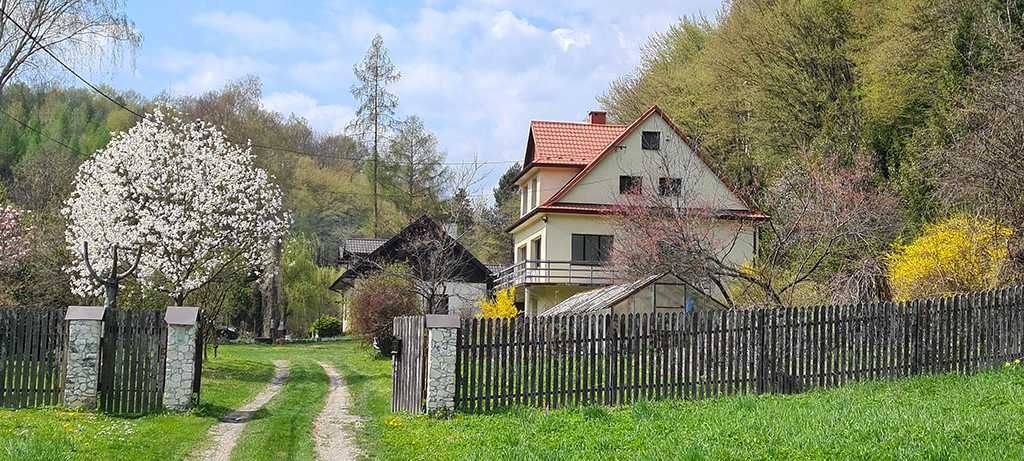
(56, 434)
(941, 417)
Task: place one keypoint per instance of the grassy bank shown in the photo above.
(57, 434)
(941, 417)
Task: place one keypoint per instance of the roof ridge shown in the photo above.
(564, 122)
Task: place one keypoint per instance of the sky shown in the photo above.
(476, 72)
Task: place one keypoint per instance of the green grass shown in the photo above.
(282, 429)
(940, 417)
(56, 434)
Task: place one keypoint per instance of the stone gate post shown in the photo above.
(179, 368)
(441, 334)
(82, 359)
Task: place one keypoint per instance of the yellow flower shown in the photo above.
(503, 306)
(958, 254)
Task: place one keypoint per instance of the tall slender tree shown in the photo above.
(375, 116)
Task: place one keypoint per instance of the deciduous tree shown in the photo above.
(79, 32)
(192, 201)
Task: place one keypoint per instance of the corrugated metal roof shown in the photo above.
(362, 246)
(593, 301)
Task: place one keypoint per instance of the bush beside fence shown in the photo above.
(616, 359)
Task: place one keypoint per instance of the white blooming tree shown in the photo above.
(190, 200)
(14, 243)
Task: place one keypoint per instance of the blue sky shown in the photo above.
(476, 71)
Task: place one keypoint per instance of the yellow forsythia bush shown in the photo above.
(503, 306)
(956, 255)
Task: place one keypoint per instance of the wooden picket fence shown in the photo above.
(132, 355)
(31, 356)
(617, 359)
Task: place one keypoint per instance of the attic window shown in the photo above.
(650, 140)
(671, 187)
(630, 185)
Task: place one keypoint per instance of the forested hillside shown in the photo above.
(883, 136)
(899, 81)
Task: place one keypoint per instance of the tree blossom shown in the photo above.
(190, 199)
(14, 243)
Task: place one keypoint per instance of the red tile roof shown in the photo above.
(568, 143)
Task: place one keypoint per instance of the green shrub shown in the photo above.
(326, 327)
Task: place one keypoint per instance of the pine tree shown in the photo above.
(375, 116)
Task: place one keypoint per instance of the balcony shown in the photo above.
(536, 272)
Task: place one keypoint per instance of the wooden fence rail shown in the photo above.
(615, 359)
(31, 356)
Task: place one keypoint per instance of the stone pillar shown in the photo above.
(441, 333)
(82, 360)
(179, 369)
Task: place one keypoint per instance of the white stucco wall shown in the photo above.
(549, 181)
(701, 185)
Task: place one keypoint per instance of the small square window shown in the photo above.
(650, 140)
(630, 185)
(670, 187)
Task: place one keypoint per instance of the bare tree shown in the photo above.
(80, 32)
(983, 168)
(824, 219)
(376, 113)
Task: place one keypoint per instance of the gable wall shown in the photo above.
(675, 159)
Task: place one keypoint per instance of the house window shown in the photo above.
(524, 201)
(536, 251)
(670, 186)
(535, 193)
(650, 140)
(630, 185)
(591, 249)
(521, 254)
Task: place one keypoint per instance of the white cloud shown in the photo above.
(506, 24)
(252, 30)
(327, 118)
(569, 38)
(201, 72)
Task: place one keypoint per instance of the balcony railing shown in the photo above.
(540, 271)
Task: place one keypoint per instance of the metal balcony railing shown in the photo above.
(540, 271)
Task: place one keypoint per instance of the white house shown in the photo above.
(574, 174)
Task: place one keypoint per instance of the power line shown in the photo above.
(256, 145)
(41, 133)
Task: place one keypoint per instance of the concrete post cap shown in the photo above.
(84, 313)
(443, 321)
(181, 315)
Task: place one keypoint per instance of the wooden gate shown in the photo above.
(132, 355)
(32, 342)
(408, 365)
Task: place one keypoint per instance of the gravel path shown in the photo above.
(224, 436)
(332, 429)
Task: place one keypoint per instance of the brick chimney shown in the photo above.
(598, 117)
